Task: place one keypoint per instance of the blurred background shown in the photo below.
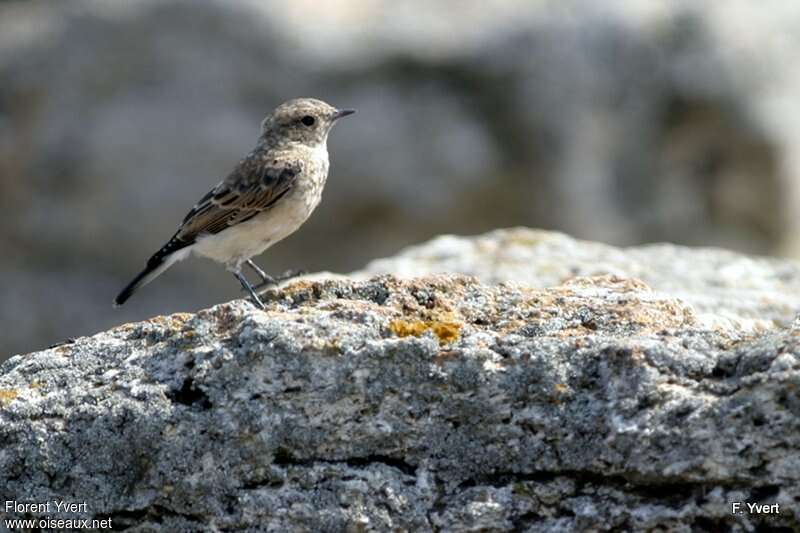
(620, 121)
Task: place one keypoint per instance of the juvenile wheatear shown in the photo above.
(269, 194)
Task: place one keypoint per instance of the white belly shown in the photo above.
(236, 244)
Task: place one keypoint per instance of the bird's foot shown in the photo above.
(256, 301)
(269, 281)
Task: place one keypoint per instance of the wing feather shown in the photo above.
(254, 186)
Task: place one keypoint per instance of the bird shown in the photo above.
(268, 195)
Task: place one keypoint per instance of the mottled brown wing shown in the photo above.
(253, 187)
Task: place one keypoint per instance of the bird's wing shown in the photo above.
(254, 186)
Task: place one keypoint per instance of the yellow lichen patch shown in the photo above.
(7, 396)
(405, 328)
(444, 331)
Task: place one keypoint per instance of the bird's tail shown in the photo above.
(160, 261)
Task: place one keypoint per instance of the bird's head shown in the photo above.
(305, 121)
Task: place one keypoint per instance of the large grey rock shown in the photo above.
(432, 403)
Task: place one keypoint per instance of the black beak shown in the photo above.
(343, 113)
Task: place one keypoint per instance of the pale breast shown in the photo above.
(238, 243)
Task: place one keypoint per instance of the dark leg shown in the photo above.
(249, 288)
(266, 279)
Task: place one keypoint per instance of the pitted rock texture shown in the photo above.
(427, 404)
(727, 289)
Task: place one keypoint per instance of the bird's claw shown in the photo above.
(257, 303)
(270, 281)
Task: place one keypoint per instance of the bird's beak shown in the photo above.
(342, 113)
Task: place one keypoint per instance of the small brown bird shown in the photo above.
(267, 197)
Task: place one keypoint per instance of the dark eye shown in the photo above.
(308, 120)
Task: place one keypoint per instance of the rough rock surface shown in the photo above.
(749, 292)
(434, 403)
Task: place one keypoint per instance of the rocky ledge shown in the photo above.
(431, 403)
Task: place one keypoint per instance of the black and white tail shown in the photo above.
(172, 252)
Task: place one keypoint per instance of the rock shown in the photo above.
(419, 404)
(753, 292)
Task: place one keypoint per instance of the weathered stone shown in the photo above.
(727, 289)
(434, 403)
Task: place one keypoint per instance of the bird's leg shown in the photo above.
(266, 279)
(274, 280)
(249, 288)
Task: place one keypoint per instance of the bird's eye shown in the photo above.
(308, 120)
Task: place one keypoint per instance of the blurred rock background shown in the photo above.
(620, 121)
